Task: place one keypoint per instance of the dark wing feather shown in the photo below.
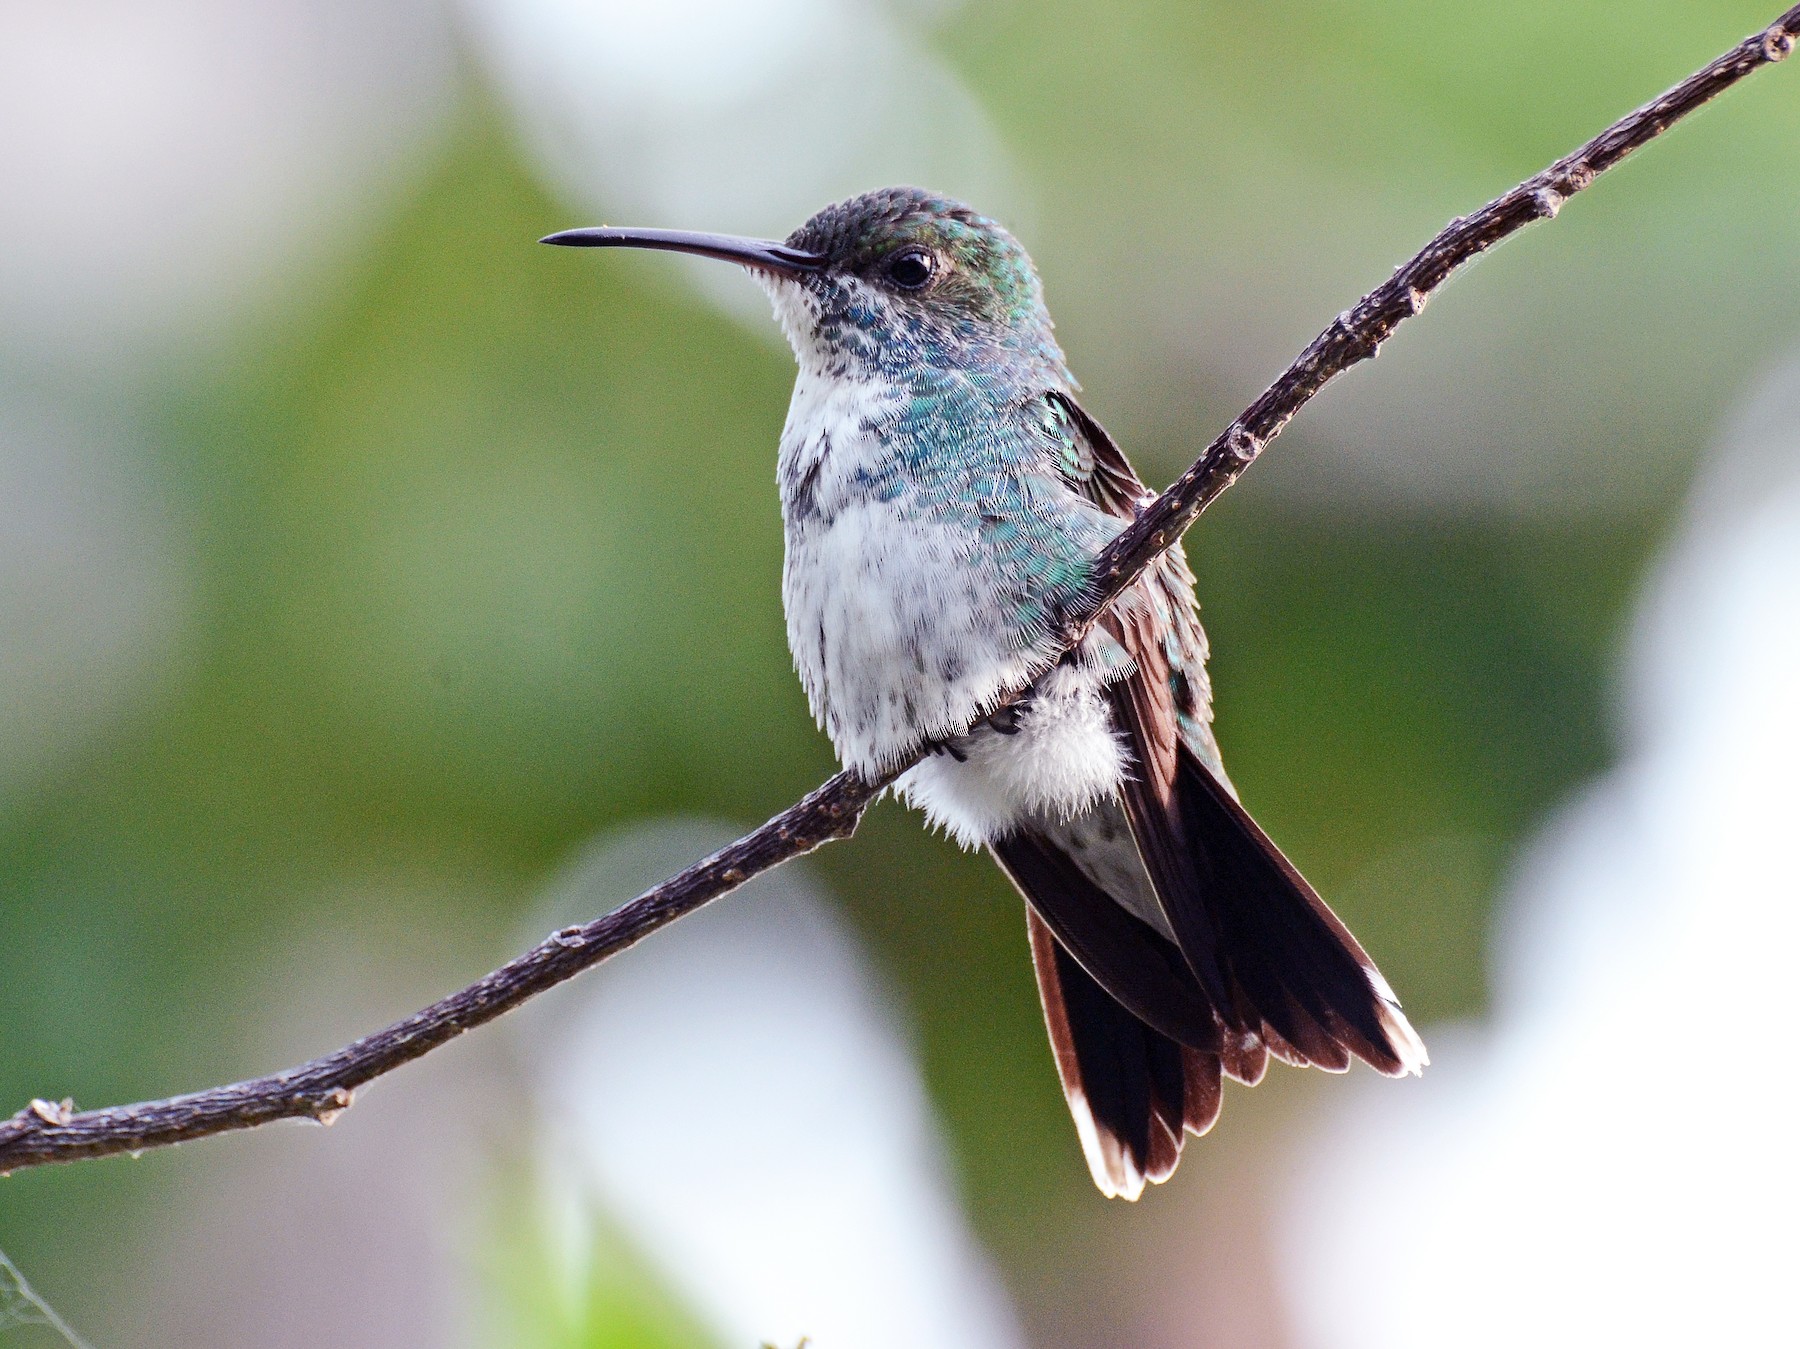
(1287, 948)
(1144, 708)
(1284, 974)
(1096, 466)
(1260, 940)
(1101, 472)
(1259, 937)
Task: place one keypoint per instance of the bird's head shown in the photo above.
(894, 279)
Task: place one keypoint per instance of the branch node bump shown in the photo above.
(1242, 446)
(1546, 201)
(1576, 177)
(1777, 44)
(327, 1111)
(569, 937)
(1362, 346)
(58, 1113)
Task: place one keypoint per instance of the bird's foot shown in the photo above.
(1005, 719)
(948, 746)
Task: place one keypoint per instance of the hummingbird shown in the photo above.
(943, 496)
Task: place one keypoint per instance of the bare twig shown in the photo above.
(20, 1305)
(45, 1132)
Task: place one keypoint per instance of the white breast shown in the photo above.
(892, 631)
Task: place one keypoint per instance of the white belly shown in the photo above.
(1062, 760)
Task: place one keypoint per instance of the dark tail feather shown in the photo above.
(1138, 966)
(1297, 977)
(1133, 1091)
(1246, 1057)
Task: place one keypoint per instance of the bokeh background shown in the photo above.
(379, 589)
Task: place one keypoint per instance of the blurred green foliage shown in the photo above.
(604, 1295)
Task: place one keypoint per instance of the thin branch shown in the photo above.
(321, 1090)
(20, 1305)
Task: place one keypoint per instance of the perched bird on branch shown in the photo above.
(944, 495)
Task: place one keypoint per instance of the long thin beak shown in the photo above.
(768, 255)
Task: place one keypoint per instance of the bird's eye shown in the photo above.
(911, 268)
